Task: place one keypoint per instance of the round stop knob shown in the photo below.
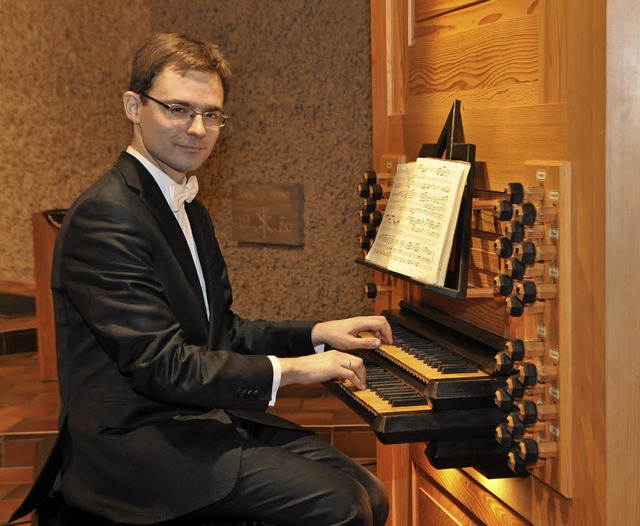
(502, 210)
(503, 247)
(502, 285)
(527, 411)
(514, 268)
(514, 193)
(525, 213)
(514, 231)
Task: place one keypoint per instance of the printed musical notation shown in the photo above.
(416, 233)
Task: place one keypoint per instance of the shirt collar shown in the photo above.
(163, 181)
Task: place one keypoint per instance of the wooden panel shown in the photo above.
(448, 17)
(425, 10)
(493, 64)
(44, 238)
(504, 137)
(553, 52)
(435, 506)
(379, 82)
(553, 325)
(394, 470)
(586, 71)
(15, 287)
(483, 260)
(466, 492)
(621, 256)
(483, 312)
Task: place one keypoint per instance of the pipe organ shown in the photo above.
(505, 415)
(548, 299)
(491, 396)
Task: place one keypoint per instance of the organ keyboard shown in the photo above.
(434, 384)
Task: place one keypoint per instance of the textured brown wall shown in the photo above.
(300, 107)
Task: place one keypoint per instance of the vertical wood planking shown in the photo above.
(586, 73)
(553, 52)
(622, 253)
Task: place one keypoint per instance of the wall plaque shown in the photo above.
(268, 213)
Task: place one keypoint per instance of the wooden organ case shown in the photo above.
(481, 395)
(534, 288)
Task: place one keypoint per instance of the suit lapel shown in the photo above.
(141, 181)
(210, 259)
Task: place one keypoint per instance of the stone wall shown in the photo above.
(300, 107)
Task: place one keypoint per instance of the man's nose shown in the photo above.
(197, 127)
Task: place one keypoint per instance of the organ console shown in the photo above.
(433, 383)
(533, 98)
(480, 397)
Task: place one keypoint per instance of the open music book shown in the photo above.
(417, 230)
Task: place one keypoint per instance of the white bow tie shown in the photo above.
(178, 193)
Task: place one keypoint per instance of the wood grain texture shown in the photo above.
(492, 64)
(553, 57)
(435, 506)
(504, 137)
(487, 313)
(622, 253)
(586, 73)
(44, 238)
(394, 470)
(448, 17)
(465, 492)
(379, 81)
(426, 10)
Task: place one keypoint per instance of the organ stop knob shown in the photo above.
(515, 193)
(514, 231)
(503, 211)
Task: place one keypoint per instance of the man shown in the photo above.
(163, 388)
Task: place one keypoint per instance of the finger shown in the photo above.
(384, 332)
(369, 343)
(361, 374)
(356, 380)
(379, 326)
(354, 370)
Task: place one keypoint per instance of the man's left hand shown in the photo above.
(343, 334)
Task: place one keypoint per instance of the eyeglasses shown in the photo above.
(185, 114)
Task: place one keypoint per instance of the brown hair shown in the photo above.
(179, 52)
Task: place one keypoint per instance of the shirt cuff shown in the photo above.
(277, 376)
(277, 373)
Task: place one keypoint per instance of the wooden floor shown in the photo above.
(27, 406)
(29, 411)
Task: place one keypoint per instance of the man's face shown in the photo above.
(176, 148)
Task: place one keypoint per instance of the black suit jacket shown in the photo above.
(147, 382)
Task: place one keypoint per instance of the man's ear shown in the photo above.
(132, 103)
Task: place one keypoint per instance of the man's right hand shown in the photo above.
(321, 367)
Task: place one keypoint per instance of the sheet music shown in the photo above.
(417, 229)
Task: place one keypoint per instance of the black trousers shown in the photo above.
(293, 478)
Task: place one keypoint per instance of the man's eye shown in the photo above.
(178, 110)
(213, 115)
